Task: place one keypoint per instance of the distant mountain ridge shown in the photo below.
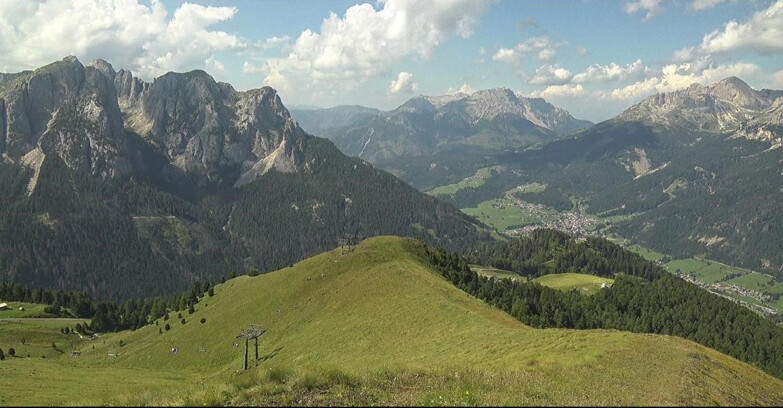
(721, 107)
(690, 172)
(488, 119)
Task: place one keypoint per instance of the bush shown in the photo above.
(311, 382)
(11, 352)
(203, 320)
(167, 327)
(279, 375)
(183, 321)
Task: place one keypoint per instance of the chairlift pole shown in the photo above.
(254, 332)
(246, 340)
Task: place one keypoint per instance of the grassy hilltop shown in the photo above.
(375, 325)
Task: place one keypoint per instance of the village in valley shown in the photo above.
(515, 217)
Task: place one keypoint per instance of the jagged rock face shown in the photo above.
(205, 126)
(68, 111)
(723, 106)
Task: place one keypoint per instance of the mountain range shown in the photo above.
(690, 172)
(425, 125)
(107, 181)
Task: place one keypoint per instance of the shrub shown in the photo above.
(167, 327)
(311, 382)
(11, 352)
(183, 321)
(279, 374)
(203, 320)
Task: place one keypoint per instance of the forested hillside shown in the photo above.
(190, 180)
(643, 298)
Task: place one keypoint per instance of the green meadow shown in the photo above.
(584, 283)
(376, 325)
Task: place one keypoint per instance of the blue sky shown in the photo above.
(594, 58)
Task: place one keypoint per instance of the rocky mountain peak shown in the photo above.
(736, 91)
(417, 104)
(67, 111)
(722, 106)
(105, 68)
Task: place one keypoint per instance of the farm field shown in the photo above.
(373, 326)
(587, 284)
(503, 213)
(476, 180)
(495, 273)
(30, 310)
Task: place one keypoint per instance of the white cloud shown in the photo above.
(762, 33)
(684, 54)
(250, 68)
(614, 72)
(508, 56)
(777, 79)
(125, 32)
(212, 65)
(636, 90)
(366, 42)
(705, 4)
(651, 7)
(541, 46)
(465, 88)
(557, 91)
(581, 50)
(404, 83)
(551, 75)
(274, 42)
(678, 76)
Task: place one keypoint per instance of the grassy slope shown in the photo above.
(495, 272)
(381, 315)
(31, 310)
(568, 281)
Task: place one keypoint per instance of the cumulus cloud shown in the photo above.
(678, 76)
(761, 33)
(366, 42)
(650, 7)
(125, 32)
(465, 89)
(551, 75)
(404, 83)
(556, 91)
(542, 47)
(614, 72)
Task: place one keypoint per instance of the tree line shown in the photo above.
(106, 316)
(643, 299)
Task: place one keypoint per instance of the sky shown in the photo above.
(594, 58)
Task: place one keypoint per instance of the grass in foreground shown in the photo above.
(378, 326)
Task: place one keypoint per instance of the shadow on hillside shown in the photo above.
(272, 354)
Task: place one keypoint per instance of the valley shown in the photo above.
(514, 217)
